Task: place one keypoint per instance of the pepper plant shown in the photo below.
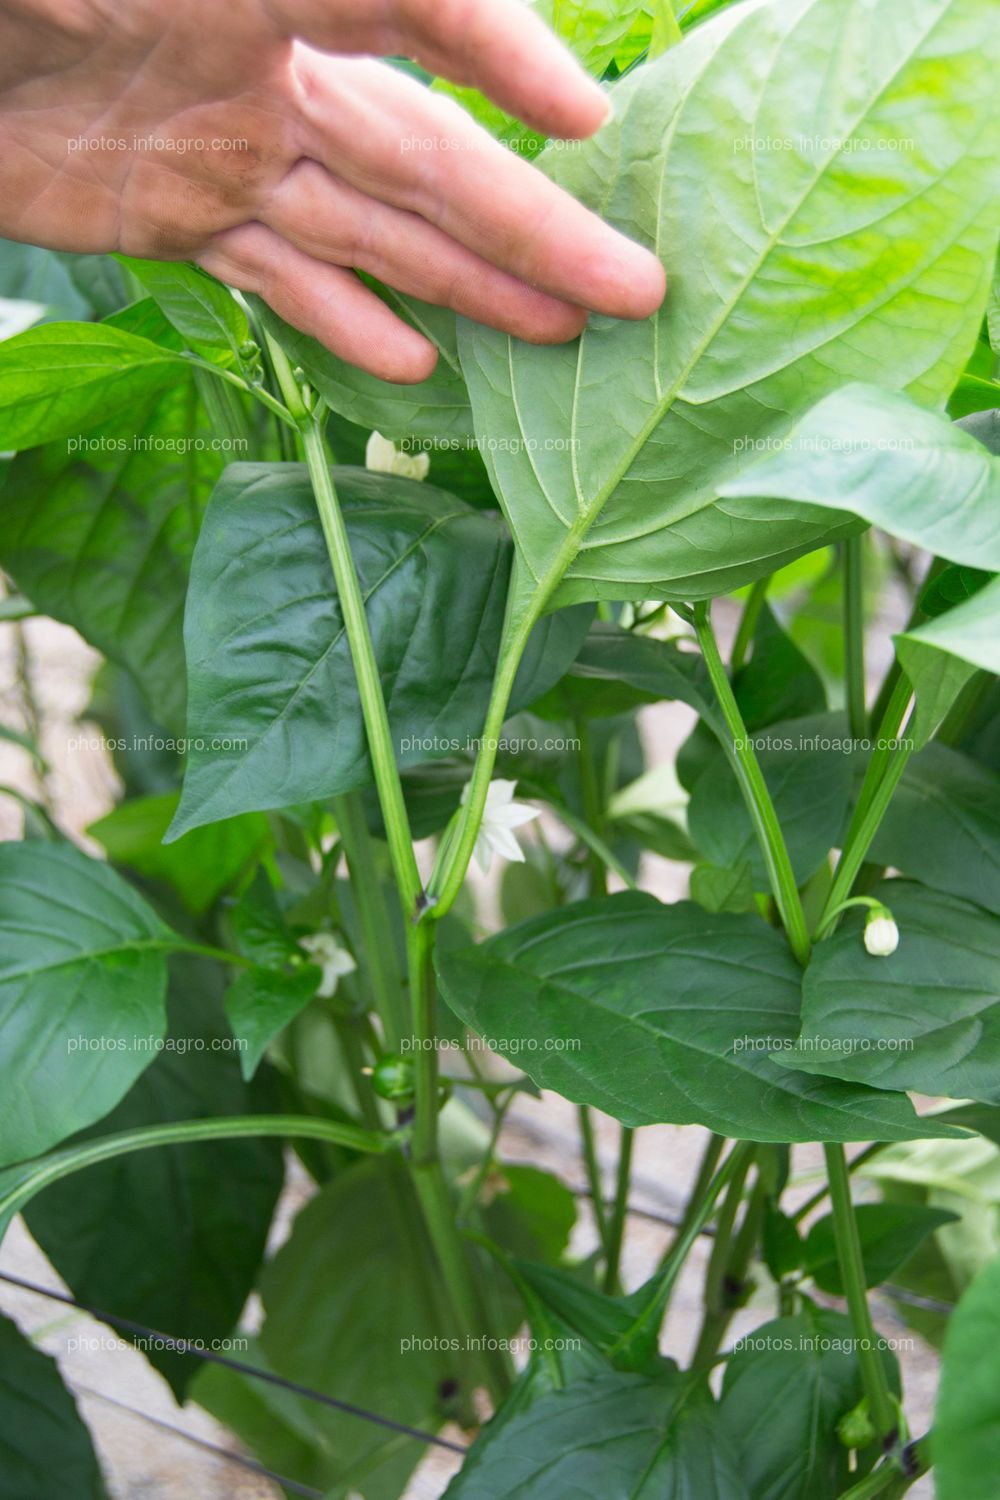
(330, 683)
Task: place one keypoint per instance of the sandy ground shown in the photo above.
(121, 1397)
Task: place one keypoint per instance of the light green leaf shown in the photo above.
(942, 826)
(659, 1014)
(925, 1018)
(882, 458)
(102, 539)
(889, 1234)
(260, 1003)
(437, 408)
(45, 1449)
(795, 272)
(62, 379)
(172, 1238)
(203, 311)
(940, 656)
(723, 889)
(200, 866)
(784, 1390)
(965, 1438)
(611, 1436)
(274, 713)
(82, 980)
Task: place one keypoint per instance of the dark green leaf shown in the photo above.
(729, 889)
(262, 1002)
(611, 1436)
(45, 1449)
(660, 1013)
(781, 1244)
(943, 826)
(103, 539)
(274, 710)
(889, 1234)
(925, 1018)
(616, 671)
(81, 993)
(173, 1237)
(778, 682)
(808, 765)
(785, 1388)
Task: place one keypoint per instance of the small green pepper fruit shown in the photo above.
(855, 1430)
(392, 1078)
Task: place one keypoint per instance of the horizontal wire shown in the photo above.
(199, 1442)
(184, 1346)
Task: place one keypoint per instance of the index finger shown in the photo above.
(498, 46)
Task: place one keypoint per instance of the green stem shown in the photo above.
(714, 1147)
(717, 1310)
(381, 962)
(852, 1274)
(593, 1173)
(428, 1176)
(380, 746)
(854, 636)
(593, 807)
(226, 413)
(63, 1163)
(861, 834)
(616, 1224)
(755, 793)
(748, 624)
(662, 1283)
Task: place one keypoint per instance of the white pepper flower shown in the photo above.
(332, 957)
(881, 932)
(383, 457)
(500, 817)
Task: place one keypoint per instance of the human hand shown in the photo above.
(258, 140)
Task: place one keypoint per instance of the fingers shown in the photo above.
(325, 301)
(500, 46)
(396, 141)
(332, 221)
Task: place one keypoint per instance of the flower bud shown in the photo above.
(881, 932)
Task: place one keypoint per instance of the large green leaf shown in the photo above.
(793, 270)
(82, 980)
(172, 1238)
(62, 379)
(942, 826)
(940, 656)
(45, 1449)
(616, 671)
(660, 1013)
(889, 1234)
(102, 539)
(965, 1439)
(612, 1436)
(274, 713)
(894, 464)
(925, 1018)
(785, 1388)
